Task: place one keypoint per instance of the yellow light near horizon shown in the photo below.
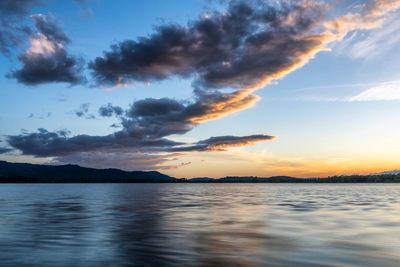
(243, 163)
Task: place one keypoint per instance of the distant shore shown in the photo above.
(231, 180)
(37, 173)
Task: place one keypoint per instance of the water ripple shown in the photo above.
(199, 225)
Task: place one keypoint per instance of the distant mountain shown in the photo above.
(25, 172)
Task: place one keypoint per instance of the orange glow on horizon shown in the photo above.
(238, 162)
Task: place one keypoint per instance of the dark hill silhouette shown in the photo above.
(25, 172)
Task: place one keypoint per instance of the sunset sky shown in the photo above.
(202, 88)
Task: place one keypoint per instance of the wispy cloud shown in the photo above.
(370, 45)
(383, 92)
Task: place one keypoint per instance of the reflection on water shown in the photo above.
(199, 225)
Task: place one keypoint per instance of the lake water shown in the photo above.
(199, 225)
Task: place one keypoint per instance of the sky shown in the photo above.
(202, 88)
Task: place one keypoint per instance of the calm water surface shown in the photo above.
(199, 225)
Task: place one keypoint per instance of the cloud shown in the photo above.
(236, 48)
(386, 91)
(47, 60)
(153, 118)
(48, 26)
(367, 16)
(48, 144)
(109, 110)
(383, 92)
(83, 112)
(13, 27)
(243, 48)
(372, 44)
(222, 143)
(229, 55)
(115, 125)
(112, 147)
(122, 160)
(4, 150)
(145, 126)
(18, 7)
(12, 31)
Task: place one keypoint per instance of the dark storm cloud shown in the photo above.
(231, 49)
(47, 60)
(110, 110)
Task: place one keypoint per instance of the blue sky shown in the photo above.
(336, 114)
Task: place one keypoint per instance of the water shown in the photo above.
(199, 225)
